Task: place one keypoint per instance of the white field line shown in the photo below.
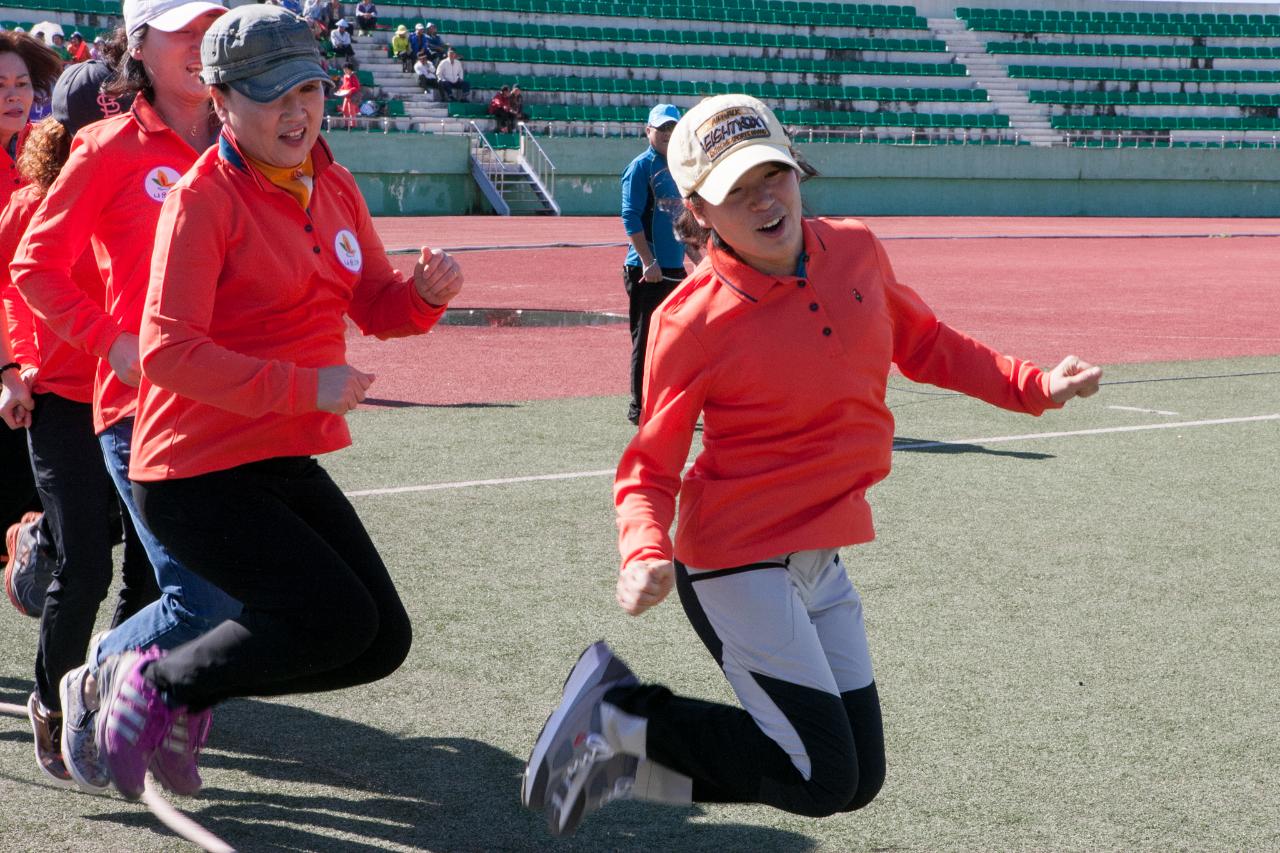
(920, 445)
(1138, 409)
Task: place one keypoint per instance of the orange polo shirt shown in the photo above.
(107, 196)
(789, 375)
(64, 370)
(249, 296)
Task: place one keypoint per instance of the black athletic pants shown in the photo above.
(79, 502)
(644, 297)
(18, 496)
(320, 610)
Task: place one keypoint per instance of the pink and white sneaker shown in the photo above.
(133, 720)
(174, 764)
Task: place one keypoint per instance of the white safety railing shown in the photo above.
(539, 164)
(490, 162)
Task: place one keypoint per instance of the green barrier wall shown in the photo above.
(418, 174)
(410, 174)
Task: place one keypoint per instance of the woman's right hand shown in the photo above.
(644, 583)
(341, 388)
(124, 360)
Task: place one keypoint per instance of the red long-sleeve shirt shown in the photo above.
(789, 375)
(107, 196)
(64, 369)
(10, 181)
(247, 300)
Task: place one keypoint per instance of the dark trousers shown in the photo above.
(454, 91)
(18, 496)
(79, 504)
(320, 610)
(644, 297)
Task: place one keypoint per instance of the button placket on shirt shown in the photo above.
(814, 307)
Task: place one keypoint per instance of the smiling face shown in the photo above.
(759, 218)
(279, 133)
(172, 60)
(16, 95)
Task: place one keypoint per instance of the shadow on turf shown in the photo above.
(902, 444)
(420, 792)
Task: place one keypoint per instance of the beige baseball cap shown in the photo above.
(719, 140)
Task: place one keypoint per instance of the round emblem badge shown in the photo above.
(348, 250)
(159, 181)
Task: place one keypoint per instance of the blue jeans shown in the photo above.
(188, 605)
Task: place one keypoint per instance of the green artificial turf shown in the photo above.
(1074, 639)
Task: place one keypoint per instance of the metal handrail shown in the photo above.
(487, 157)
(544, 170)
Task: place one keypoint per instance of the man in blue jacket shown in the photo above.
(655, 261)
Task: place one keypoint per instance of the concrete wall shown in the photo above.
(419, 174)
(410, 174)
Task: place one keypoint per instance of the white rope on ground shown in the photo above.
(179, 823)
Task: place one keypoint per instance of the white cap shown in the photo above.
(720, 140)
(165, 15)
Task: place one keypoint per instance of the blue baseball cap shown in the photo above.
(663, 114)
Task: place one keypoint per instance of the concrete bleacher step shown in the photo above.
(1028, 121)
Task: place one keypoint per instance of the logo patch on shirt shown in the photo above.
(348, 250)
(728, 127)
(159, 181)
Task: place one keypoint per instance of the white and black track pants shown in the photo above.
(788, 634)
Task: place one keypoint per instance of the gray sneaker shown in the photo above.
(79, 737)
(570, 742)
(29, 568)
(596, 777)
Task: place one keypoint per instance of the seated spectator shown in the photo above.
(516, 99)
(294, 6)
(366, 17)
(426, 72)
(317, 12)
(98, 50)
(400, 48)
(452, 77)
(435, 43)
(418, 40)
(78, 49)
(500, 109)
(340, 39)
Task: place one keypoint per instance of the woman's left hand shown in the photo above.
(437, 277)
(16, 402)
(644, 583)
(1073, 377)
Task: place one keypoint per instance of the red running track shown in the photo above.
(1111, 290)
